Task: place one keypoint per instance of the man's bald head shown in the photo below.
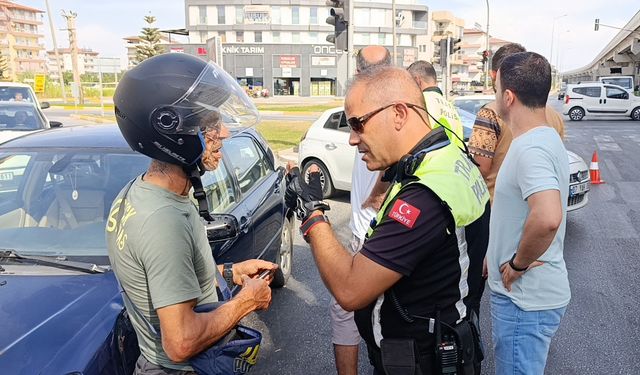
(371, 56)
(386, 84)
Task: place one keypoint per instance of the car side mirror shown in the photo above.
(625, 96)
(45, 105)
(55, 124)
(224, 227)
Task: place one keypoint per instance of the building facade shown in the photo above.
(21, 39)
(474, 43)
(86, 61)
(281, 46)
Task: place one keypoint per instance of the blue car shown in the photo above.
(62, 312)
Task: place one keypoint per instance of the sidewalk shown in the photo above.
(288, 155)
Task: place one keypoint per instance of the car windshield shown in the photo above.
(471, 105)
(18, 94)
(55, 202)
(19, 117)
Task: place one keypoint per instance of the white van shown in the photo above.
(599, 99)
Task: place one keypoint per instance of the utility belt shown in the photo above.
(457, 349)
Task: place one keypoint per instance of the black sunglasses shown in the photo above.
(357, 123)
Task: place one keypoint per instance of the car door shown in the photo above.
(262, 193)
(616, 100)
(223, 196)
(338, 152)
(590, 98)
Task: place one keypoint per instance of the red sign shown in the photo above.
(202, 51)
(404, 213)
(289, 61)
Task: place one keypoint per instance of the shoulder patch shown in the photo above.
(404, 213)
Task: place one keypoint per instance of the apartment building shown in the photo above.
(281, 45)
(20, 38)
(86, 61)
(474, 42)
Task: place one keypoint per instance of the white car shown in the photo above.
(599, 99)
(19, 118)
(467, 107)
(326, 144)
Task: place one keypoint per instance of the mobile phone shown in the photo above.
(264, 274)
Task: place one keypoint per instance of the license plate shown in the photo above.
(6, 176)
(579, 188)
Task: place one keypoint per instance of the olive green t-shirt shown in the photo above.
(161, 256)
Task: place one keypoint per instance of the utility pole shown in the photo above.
(55, 50)
(73, 45)
(350, 30)
(487, 63)
(393, 32)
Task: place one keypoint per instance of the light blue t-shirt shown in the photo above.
(536, 161)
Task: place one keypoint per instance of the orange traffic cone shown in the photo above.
(594, 171)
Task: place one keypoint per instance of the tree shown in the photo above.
(149, 41)
(4, 67)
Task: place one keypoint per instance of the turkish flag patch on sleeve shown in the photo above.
(404, 213)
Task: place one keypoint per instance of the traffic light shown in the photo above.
(454, 45)
(486, 54)
(596, 27)
(443, 51)
(339, 19)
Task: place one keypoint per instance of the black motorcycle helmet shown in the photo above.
(160, 105)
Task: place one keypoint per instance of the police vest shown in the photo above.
(446, 114)
(450, 174)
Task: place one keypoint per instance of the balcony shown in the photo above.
(422, 25)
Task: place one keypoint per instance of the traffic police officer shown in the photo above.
(408, 283)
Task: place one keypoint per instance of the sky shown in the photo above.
(101, 27)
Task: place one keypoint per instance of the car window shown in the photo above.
(624, 82)
(57, 202)
(343, 127)
(11, 173)
(615, 93)
(219, 188)
(592, 91)
(247, 160)
(19, 117)
(333, 122)
(16, 94)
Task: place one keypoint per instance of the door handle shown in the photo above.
(605, 101)
(330, 146)
(600, 101)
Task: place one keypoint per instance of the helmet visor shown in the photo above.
(213, 98)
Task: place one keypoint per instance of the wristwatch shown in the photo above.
(227, 274)
(513, 265)
(310, 223)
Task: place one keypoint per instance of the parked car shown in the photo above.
(19, 118)
(326, 144)
(467, 107)
(599, 99)
(61, 306)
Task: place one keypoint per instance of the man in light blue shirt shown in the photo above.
(527, 273)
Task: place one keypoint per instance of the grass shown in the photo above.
(299, 108)
(283, 135)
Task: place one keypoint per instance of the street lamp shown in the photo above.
(553, 31)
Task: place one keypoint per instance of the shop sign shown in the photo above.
(286, 72)
(242, 49)
(323, 60)
(289, 61)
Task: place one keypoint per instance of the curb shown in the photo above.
(287, 155)
(96, 119)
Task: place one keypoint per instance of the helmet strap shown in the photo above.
(194, 173)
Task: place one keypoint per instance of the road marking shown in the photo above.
(603, 138)
(609, 146)
(613, 170)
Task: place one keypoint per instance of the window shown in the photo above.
(615, 93)
(336, 121)
(313, 37)
(313, 15)
(257, 37)
(203, 36)
(593, 92)
(239, 15)
(382, 39)
(276, 36)
(275, 15)
(219, 189)
(221, 20)
(239, 36)
(248, 162)
(202, 11)
(12, 168)
(295, 37)
(295, 15)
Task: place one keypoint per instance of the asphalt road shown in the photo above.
(600, 333)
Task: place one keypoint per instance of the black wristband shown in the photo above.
(512, 265)
(310, 223)
(227, 274)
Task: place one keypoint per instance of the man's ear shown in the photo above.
(492, 74)
(400, 115)
(509, 98)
